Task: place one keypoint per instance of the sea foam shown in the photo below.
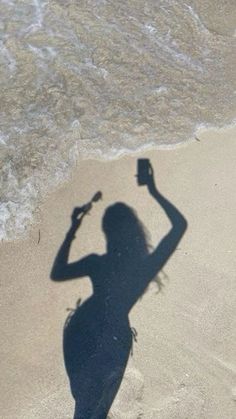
(101, 79)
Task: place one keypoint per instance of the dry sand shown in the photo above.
(183, 362)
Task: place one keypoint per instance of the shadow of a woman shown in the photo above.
(97, 337)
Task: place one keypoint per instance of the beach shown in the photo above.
(100, 79)
(183, 362)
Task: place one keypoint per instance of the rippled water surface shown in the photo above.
(100, 78)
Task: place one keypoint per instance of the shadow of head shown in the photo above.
(125, 234)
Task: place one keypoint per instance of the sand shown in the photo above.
(183, 361)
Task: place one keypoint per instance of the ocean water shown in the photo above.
(100, 78)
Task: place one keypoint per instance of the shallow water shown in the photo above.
(100, 78)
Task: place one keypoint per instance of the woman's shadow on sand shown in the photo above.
(97, 336)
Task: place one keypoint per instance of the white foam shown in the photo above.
(197, 20)
(9, 59)
(101, 83)
(161, 89)
(170, 47)
(38, 18)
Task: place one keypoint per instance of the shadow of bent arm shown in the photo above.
(168, 244)
(62, 270)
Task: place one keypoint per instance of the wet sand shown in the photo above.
(183, 361)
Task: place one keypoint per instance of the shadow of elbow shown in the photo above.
(55, 276)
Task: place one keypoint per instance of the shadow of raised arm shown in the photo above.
(168, 244)
(62, 270)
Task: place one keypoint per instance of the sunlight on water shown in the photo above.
(100, 78)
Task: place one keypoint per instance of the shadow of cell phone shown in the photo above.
(143, 171)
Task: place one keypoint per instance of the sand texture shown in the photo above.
(183, 363)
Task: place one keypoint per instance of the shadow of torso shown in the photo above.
(98, 337)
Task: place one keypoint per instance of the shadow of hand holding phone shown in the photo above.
(97, 337)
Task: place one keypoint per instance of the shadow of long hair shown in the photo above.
(126, 234)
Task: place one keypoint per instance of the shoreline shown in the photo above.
(183, 360)
(202, 133)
